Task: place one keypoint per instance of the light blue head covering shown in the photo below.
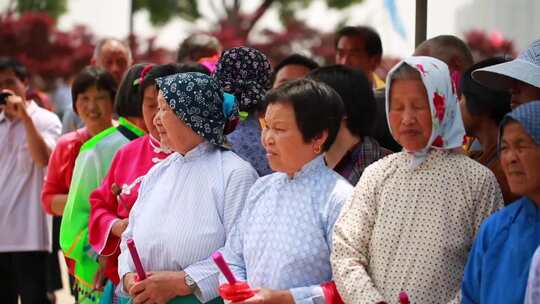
(528, 115)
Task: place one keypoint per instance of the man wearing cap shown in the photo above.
(520, 76)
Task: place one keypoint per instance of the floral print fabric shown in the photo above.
(447, 130)
(246, 73)
(197, 100)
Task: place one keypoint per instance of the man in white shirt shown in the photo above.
(28, 134)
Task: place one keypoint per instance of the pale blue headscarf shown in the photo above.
(528, 115)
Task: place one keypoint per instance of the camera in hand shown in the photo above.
(3, 97)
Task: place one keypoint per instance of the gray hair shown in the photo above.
(446, 47)
(102, 42)
(405, 72)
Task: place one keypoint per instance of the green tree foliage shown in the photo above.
(164, 10)
(54, 8)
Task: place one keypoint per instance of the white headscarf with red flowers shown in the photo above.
(447, 130)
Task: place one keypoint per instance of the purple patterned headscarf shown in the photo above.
(246, 73)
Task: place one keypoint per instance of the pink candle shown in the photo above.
(136, 260)
(403, 298)
(223, 267)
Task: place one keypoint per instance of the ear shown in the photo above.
(26, 83)
(375, 62)
(319, 140)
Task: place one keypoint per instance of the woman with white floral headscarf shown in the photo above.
(414, 215)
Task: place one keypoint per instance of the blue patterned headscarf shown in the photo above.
(528, 115)
(246, 73)
(197, 100)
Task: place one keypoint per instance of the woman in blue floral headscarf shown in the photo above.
(246, 73)
(414, 214)
(189, 202)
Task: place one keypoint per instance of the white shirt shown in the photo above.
(186, 207)
(24, 226)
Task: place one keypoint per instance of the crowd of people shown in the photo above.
(316, 184)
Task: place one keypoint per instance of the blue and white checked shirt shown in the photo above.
(186, 207)
(283, 239)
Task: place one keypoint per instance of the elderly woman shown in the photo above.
(414, 215)
(282, 242)
(91, 166)
(354, 148)
(246, 73)
(189, 202)
(482, 110)
(112, 201)
(499, 261)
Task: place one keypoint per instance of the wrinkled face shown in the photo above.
(523, 92)
(520, 160)
(115, 59)
(409, 114)
(174, 133)
(94, 106)
(285, 147)
(289, 72)
(150, 109)
(351, 52)
(10, 81)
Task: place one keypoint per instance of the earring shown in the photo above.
(317, 150)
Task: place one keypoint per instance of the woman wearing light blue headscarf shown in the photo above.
(499, 262)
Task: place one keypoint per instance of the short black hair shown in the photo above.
(162, 70)
(356, 93)
(294, 59)
(372, 40)
(197, 46)
(482, 100)
(128, 101)
(317, 107)
(10, 63)
(93, 76)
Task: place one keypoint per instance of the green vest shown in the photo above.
(91, 167)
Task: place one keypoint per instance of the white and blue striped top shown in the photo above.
(186, 207)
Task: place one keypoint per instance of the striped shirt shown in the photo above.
(353, 163)
(186, 207)
(532, 294)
